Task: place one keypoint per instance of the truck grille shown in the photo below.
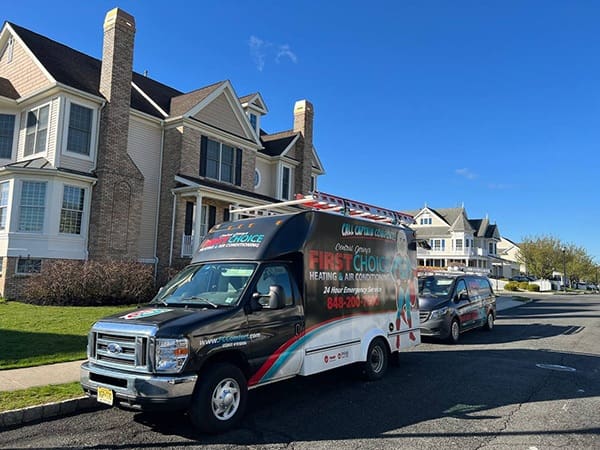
(423, 316)
(124, 346)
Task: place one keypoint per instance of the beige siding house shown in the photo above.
(100, 162)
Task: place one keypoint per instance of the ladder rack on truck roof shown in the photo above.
(331, 203)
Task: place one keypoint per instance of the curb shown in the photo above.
(39, 412)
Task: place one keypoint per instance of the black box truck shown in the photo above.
(264, 299)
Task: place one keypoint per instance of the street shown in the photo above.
(533, 382)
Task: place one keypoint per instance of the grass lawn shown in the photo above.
(39, 395)
(33, 335)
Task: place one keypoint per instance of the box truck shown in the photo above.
(265, 298)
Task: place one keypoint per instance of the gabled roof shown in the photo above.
(80, 71)
(277, 143)
(7, 89)
(183, 103)
(42, 163)
(255, 101)
(461, 224)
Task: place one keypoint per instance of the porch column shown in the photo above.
(197, 222)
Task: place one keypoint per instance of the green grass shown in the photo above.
(10, 400)
(33, 335)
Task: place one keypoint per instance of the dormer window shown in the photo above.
(253, 120)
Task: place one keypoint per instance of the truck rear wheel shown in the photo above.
(377, 360)
(219, 400)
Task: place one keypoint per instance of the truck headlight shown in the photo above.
(438, 313)
(171, 354)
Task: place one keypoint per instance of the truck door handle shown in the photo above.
(298, 329)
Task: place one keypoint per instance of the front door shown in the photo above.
(277, 351)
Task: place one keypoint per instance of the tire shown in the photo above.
(489, 322)
(454, 334)
(219, 400)
(375, 366)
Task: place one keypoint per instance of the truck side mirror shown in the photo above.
(275, 299)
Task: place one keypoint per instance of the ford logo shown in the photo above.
(114, 348)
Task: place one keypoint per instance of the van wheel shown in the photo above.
(377, 360)
(219, 400)
(489, 322)
(454, 332)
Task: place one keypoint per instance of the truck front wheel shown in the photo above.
(220, 398)
(377, 360)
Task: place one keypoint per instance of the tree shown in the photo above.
(541, 255)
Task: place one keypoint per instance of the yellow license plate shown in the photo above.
(105, 396)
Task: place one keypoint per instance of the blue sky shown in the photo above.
(494, 105)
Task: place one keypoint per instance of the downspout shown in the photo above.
(162, 146)
(172, 229)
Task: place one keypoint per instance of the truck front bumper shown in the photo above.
(137, 390)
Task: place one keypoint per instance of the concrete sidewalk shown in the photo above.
(15, 379)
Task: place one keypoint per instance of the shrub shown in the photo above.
(90, 283)
(511, 286)
(523, 285)
(533, 288)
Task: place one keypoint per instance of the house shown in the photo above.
(456, 240)
(511, 255)
(100, 162)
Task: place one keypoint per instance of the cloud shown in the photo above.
(284, 51)
(466, 173)
(261, 51)
(500, 186)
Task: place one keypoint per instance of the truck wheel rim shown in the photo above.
(376, 359)
(226, 399)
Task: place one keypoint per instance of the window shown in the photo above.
(72, 210)
(458, 244)
(256, 178)
(425, 220)
(9, 50)
(275, 275)
(313, 183)
(253, 121)
(37, 130)
(285, 183)
(222, 161)
(28, 265)
(33, 202)
(438, 244)
(7, 130)
(492, 248)
(3, 204)
(80, 130)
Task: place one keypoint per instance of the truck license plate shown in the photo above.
(105, 396)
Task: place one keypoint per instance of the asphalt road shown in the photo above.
(532, 383)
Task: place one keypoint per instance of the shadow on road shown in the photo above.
(335, 406)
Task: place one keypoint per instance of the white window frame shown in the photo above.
(81, 212)
(290, 182)
(4, 219)
(257, 178)
(93, 130)
(203, 221)
(313, 183)
(36, 133)
(44, 207)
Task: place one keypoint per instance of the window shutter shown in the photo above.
(238, 166)
(212, 216)
(203, 144)
(226, 215)
(189, 217)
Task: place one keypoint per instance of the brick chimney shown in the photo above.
(303, 124)
(116, 198)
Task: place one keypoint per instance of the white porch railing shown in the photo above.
(187, 245)
(451, 253)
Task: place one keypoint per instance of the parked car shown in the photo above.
(450, 305)
(520, 278)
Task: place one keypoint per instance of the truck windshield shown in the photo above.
(211, 285)
(435, 286)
